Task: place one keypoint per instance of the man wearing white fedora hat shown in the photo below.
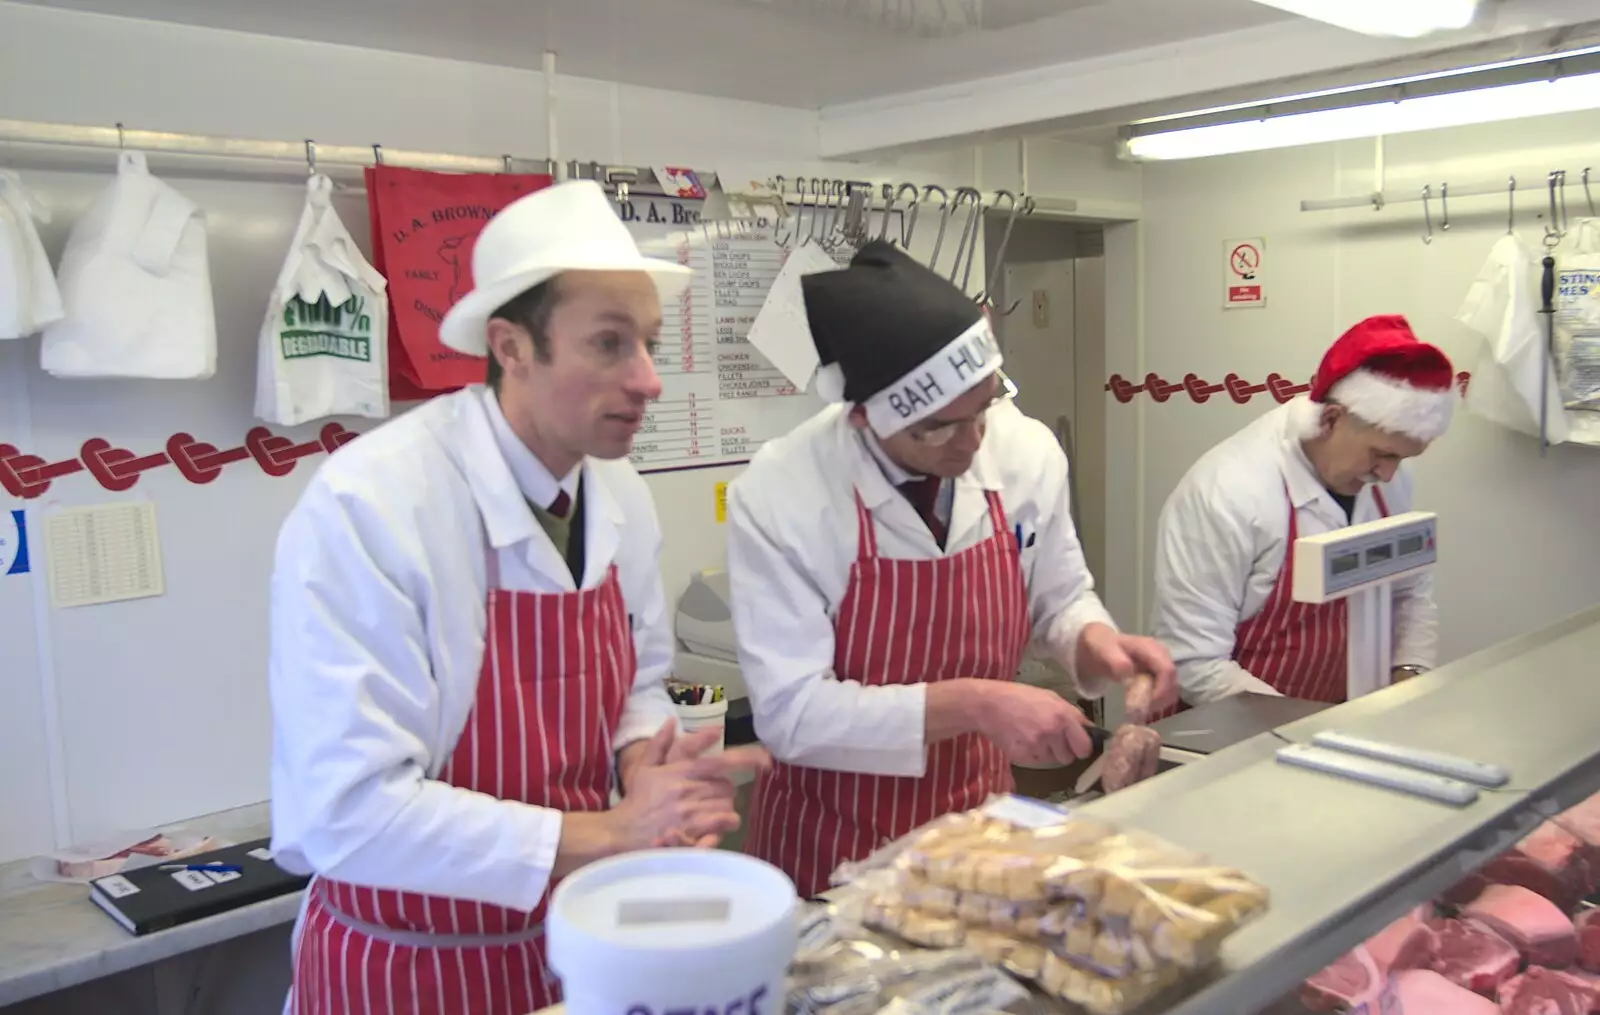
(469, 638)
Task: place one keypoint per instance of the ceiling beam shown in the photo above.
(1162, 77)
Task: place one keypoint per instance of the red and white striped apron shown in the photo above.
(1301, 649)
(557, 671)
(901, 622)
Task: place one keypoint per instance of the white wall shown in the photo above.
(1104, 187)
(1517, 531)
(153, 711)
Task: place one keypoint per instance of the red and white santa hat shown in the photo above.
(1384, 375)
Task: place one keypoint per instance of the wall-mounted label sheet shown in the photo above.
(103, 554)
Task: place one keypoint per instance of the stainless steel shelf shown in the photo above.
(1343, 860)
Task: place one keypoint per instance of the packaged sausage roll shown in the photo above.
(1102, 917)
(862, 975)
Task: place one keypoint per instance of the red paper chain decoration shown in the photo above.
(1237, 388)
(29, 476)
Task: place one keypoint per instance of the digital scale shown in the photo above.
(1360, 563)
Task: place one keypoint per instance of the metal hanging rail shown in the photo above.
(300, 152)
(625, 180)
(1379, 199)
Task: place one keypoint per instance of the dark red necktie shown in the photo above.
(923, 493)
(561, 505)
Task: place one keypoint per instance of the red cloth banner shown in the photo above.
(424, 226)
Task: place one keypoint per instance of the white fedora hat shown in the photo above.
(568, 227)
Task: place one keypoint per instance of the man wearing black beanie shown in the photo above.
(890, 561)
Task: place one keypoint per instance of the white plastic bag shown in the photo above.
(1577, 305)
(29, 298)
(324, 343)
(136, 286)
(1514, 371)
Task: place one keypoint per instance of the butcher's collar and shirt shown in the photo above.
(556, 504)
(901, 479)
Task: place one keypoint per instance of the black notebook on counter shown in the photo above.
(155, 898)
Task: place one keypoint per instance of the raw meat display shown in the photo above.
(1352, 981)
(1535, 925)
(1132, 756)
(1464, 891)
(1471, 955)
(1552, 862)
(1588, 925)
(1424, 992)
(1583, 821)
(1502, 941)
(1408, 943)
(1542, 991)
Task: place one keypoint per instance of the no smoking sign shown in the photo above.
(1244, 284)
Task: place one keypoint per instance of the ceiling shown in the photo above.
(802, 53)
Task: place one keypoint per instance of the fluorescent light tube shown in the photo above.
(1428, 112)
(1404, 18)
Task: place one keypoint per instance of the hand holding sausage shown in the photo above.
(1108, 653)
(1139, 699)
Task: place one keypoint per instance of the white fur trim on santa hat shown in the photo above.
(1305, 417)
(1395, 406)
(830, 383)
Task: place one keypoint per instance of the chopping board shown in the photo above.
(1209, 728)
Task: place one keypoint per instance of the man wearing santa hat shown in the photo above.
(890, 561)
(1332, 458)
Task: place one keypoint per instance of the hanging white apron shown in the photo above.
(136, 285)
(323, 348)
(29, 299)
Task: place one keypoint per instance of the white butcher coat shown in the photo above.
(1221, 540)
(377, 635)
(792, 538)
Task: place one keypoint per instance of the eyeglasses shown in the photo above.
(938, 434)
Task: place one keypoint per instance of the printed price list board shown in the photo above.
(721, 398)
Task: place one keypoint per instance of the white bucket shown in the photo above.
(694, 717)
(680, 930)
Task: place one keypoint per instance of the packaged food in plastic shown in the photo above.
(1102, 917)
(843, 968)
(1577, 316)
(977, 990)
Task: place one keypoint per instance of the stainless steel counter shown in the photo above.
(1343, 859)
(52, 937)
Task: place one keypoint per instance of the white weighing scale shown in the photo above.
(1361, 563)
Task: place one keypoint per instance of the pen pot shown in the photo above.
(674, 930)
(715, 713)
